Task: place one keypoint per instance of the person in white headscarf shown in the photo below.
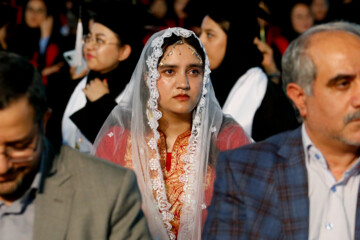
(169, 128)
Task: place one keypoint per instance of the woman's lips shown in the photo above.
(182, 97)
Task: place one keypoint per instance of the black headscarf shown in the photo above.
(241, 54)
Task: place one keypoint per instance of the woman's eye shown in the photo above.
(100, 41)
(194, 72)
(169, 71)
(210, 35)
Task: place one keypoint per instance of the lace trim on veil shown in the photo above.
(189, 178)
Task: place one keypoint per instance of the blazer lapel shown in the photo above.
(53, 201)
(291, 179)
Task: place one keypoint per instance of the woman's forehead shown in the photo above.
(180, 53)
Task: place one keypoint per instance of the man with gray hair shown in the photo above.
(302, 184)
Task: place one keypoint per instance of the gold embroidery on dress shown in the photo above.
(173, 185)
(128, 159)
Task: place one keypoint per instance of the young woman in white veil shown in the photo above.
(169, 129)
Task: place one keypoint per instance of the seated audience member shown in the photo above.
(111, 51)
(302, 184)
(48, 193)
(298, 20)
(320, 11)
(169, 128)
(38, 38)
(242, 87)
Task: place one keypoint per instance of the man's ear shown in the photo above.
(46, 118)
(297, 94)
(124, 52)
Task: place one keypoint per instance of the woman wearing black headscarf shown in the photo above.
(111, 50)
(240, 84)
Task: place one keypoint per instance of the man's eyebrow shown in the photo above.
(27, 139)
(24, 141)
(337, 78)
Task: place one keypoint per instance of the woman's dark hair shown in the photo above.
(192, 41)
(19, 78)
(52, 9)
(241, 53)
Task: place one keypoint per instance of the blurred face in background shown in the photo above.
(35, 13)
(102, 49)
(215, 41)
(179, 6)
(158, 8)
(319, 9)
(301, 18)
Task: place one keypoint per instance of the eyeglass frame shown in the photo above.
(35, 150)
(95, 43)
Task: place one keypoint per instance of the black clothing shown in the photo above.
(275, 114)
(90, 118)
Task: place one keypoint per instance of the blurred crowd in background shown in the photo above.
(43, 30)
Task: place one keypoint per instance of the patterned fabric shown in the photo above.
(261, 192)
(174, 187)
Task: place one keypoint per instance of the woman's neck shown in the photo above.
(172, 127)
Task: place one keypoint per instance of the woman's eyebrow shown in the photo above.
(168, 66)
(196, 65)
(99, 34)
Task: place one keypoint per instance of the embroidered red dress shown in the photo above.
(230, 137)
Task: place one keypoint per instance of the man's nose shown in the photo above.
(5, 164)
(355, 98)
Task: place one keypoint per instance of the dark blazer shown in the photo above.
(82, 197)
(261, 192)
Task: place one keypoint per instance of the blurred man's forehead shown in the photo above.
(17, 120)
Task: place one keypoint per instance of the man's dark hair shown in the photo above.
(19, 78)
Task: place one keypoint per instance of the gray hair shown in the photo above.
(297, 65)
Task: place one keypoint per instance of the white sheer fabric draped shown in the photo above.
(136, 118)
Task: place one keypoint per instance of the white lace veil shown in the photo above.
(137, 117)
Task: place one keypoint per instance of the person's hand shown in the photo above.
(74, 75)
(268, 58)
(95, 89)
(46, 26)
(52, 69)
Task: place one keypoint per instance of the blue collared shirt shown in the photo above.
(332, 203)
(17, 219)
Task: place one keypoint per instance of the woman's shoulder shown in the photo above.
(231, 135)
(112, 144)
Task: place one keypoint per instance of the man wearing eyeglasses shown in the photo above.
(47, 193)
